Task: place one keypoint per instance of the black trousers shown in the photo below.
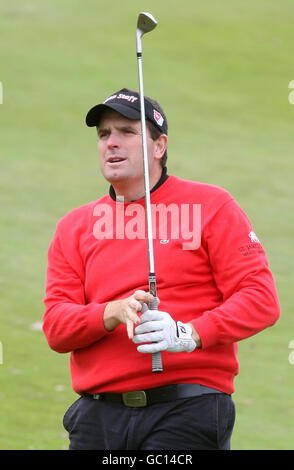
(199, 423)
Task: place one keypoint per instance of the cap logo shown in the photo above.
(158, 118)
(121, 96)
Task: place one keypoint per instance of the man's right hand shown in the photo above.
(126, 311)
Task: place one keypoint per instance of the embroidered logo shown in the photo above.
(253, 237)
(158, 118)
(122, 96)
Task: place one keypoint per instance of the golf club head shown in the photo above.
(146, 22)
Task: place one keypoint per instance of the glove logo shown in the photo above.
(183, 329)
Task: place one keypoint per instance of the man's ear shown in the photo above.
(160, 146)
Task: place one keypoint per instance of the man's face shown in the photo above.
(120, 150)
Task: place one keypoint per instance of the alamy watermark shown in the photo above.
(169, 222)
(1, 93)
(291, 94)
(291, 354)
(1, 353)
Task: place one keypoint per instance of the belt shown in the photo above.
(151, 396)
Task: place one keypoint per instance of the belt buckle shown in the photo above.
(135, 399)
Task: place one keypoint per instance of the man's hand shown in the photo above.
(126, 311)
(164, 333)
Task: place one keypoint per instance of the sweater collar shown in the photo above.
(161, 180)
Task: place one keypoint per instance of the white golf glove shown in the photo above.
(163, 332)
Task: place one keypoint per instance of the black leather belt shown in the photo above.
(151, 396)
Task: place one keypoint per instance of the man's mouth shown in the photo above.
(115, 159)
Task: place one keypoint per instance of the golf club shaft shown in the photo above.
(156, 357)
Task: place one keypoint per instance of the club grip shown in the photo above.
(156, 357)
(157, 362)
(154, 304)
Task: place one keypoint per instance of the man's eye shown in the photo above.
(130, 131)
(103, 134)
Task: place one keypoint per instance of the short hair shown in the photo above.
(154, 131)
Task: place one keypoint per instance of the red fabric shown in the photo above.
(224, 287)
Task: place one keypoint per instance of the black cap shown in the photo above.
(128, 104)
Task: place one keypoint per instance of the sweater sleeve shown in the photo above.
(242, 275)
(69, 322)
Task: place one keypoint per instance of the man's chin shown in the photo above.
(116, 177)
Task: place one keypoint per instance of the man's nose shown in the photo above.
(113, 141)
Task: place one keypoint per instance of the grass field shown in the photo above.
(221, 71)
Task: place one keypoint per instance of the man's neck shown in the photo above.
(128, 194)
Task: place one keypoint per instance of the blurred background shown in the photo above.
(221, 71)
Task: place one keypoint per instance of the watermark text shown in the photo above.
(291, 354)
(291, 94)
(169, 222)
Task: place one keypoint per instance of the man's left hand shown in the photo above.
(163, 332)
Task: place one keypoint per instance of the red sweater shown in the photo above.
(223, 286)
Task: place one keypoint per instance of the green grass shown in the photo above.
(221, 71)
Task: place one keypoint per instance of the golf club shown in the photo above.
(146, 23)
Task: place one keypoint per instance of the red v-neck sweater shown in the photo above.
(221, 283)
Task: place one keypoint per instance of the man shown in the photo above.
(214, 287)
